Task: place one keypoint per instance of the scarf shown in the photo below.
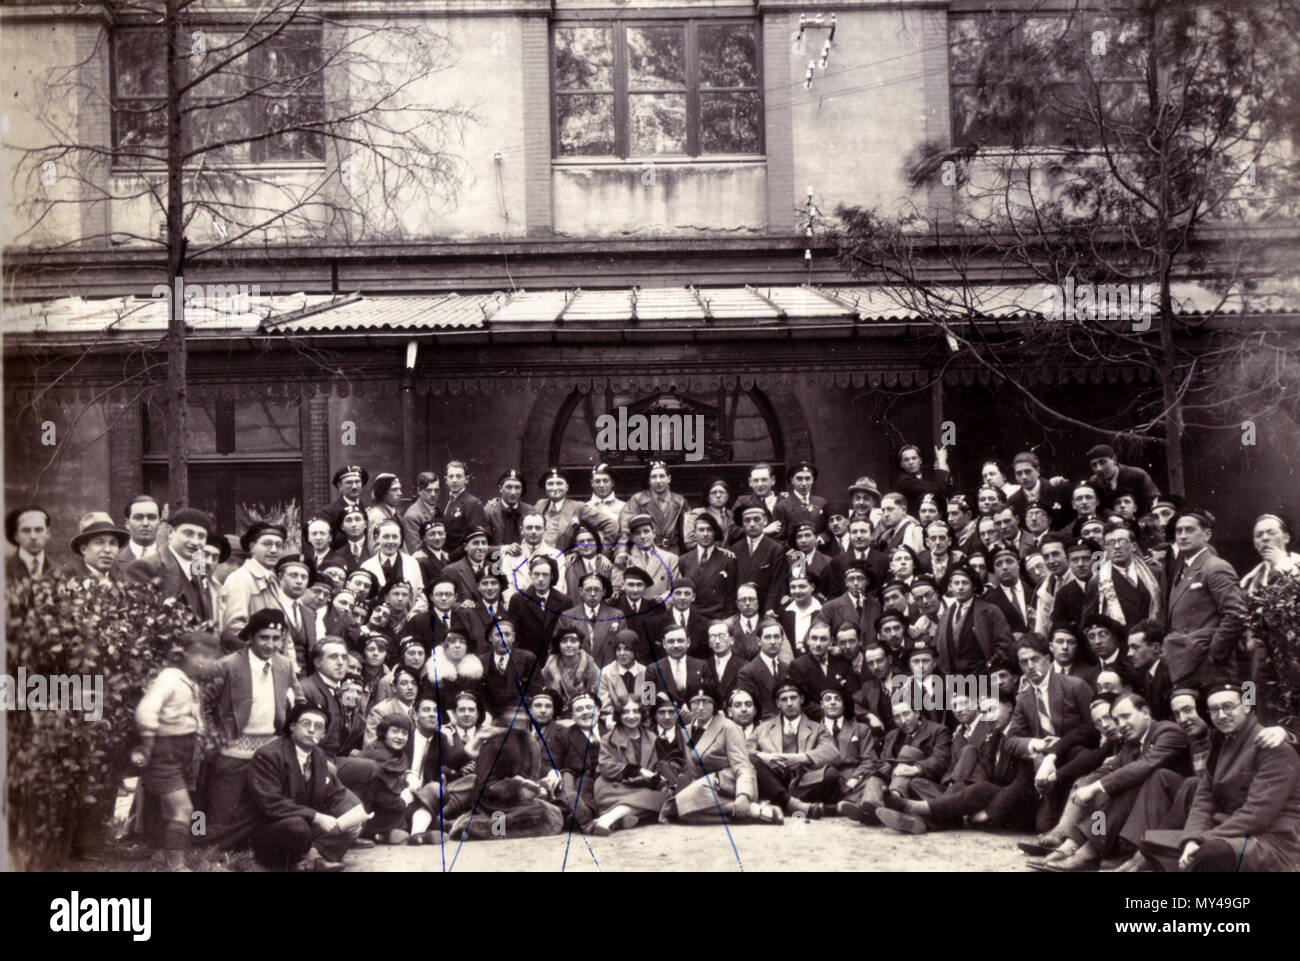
(1106, 588)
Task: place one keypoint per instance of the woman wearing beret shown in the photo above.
(629, 785)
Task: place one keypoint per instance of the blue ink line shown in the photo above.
(687, 740)
(1242, 856)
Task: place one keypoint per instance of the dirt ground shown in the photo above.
(831, 844)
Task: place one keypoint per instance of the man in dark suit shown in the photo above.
(1009, 591)
(853, 741)
(762, 674)
(537, 610)
(762, 494)
(431, 626)
(28, 529)
(682, 613)
(801, 505)
(712, 569)
(347, 719)
(349, 481)
(871, 702)
(973, 633)
(805, 556)
(1051, 718)
(722, 667)
(478, 613)
(915, 748)
(306, 814)
(676, 673)
(644, 616)
(1206, 615)
(1053, 495)
(860, 551)
(855, 606)
(984, 783)
(96, 547)
(744, 623)
(820, 670)
(597, 621)
(760, 559)
(1145, 652)
(1068, 605)
(1111, 478)
(317, 544)
(511, 674)
(1113, 788)
(353, 549)
(467, 571)
(1245, 815)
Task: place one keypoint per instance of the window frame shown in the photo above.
(621, 92)
(256, 118)
(1056, 122)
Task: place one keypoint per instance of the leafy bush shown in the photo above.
(1275, 622)
(62, 767)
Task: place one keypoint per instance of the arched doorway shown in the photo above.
(740, 428)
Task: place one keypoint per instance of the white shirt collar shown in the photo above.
(256, 663)
(788, 726)
(28, 558)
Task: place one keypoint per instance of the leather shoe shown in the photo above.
(1040, 846)
(1081, 860)
(895, 802)
(816, 811)
(363, 843)
(847, 809)
(901, 821)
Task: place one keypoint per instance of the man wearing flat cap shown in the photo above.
(253, 586)
(174, 565)
(96, 546)
(253, 689)
(1206, 610)
(712, 569)
(647, 553)
(349, 481)
(760, 560)
(801, 505)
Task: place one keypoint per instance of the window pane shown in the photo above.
(729, 122)
(201, 425)
(294, 144)
(965, 45)
(728, 55)
(586, 124)
(656, 58)
(140, 123)
(584, 58)
(141, 63)
(265, 426)
(217, 124)
(657, 123)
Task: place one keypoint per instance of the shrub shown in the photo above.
(63, 769)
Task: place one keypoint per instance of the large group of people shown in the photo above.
(455, 669)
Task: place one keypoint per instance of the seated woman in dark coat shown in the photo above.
(504, 790)
(628, 783)
(393, 733)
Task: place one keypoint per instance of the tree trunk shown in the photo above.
(177, 410)
(1169, 383)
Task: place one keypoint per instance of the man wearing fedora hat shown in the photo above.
(253, 586)
(711, 568)
(28, 529)
(349, 481)
(97, 543)
(174, 566)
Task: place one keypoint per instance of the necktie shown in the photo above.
(202, 593)
(749, 625)
(772, 666)
(306, 769)
(1044, 714)
(959, 618)
(492, 611)
(266, 668)
(501, 663)
(857, 604)
(356, 550)
(34, 567)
